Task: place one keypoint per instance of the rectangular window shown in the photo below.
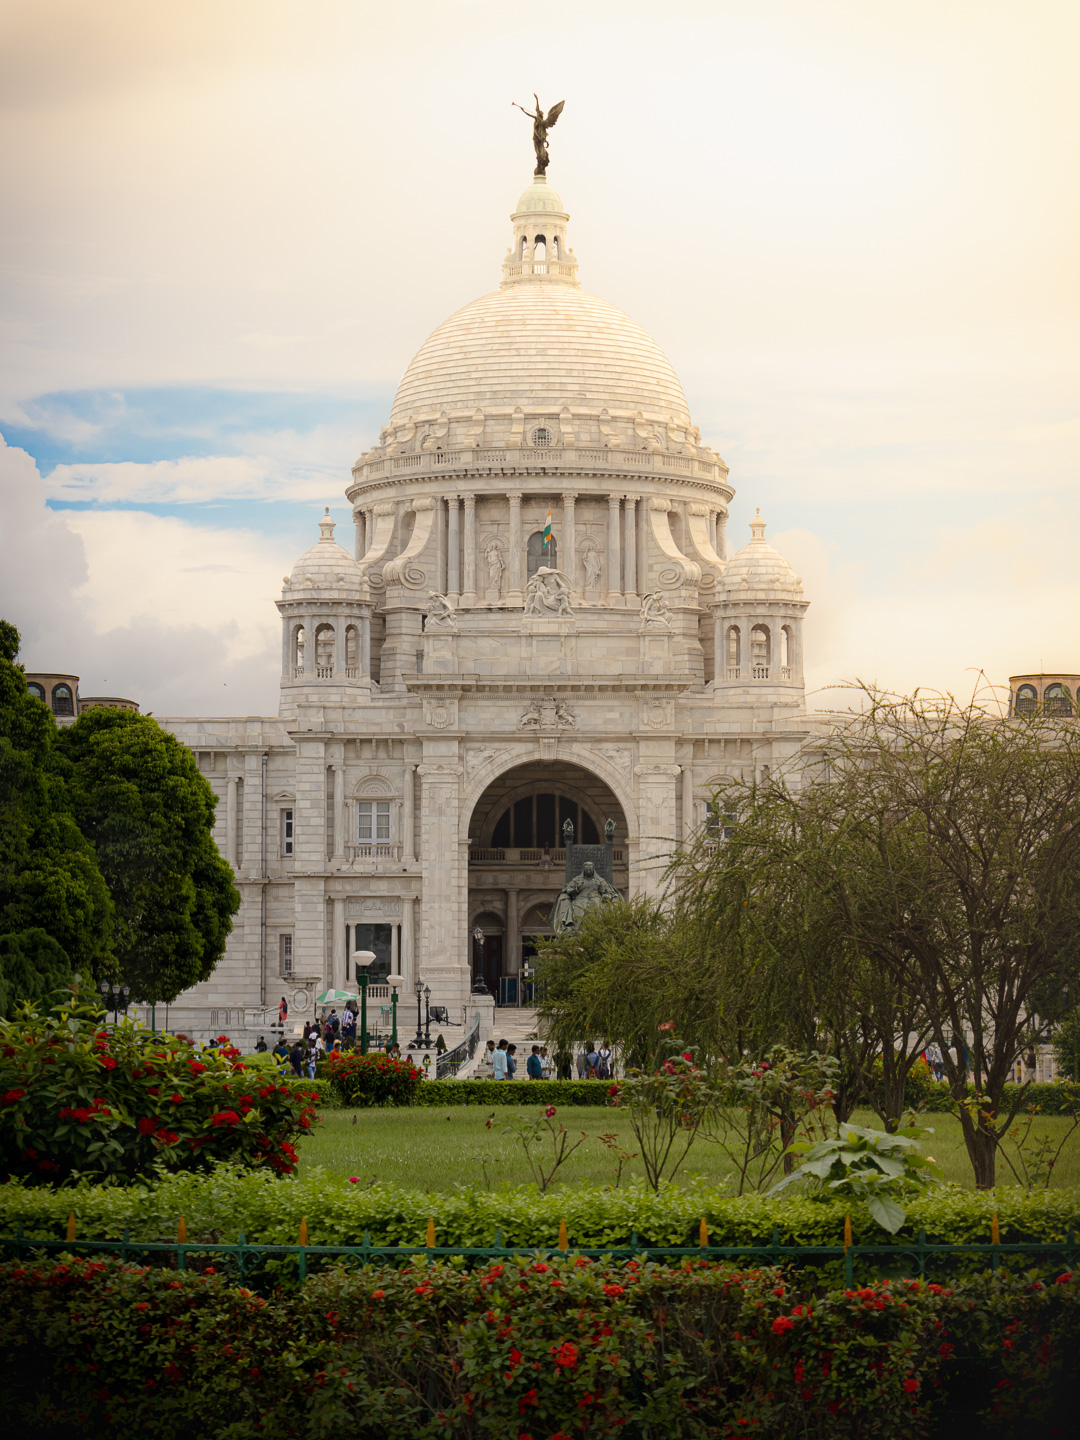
(285, 956)
(286, 832)
(373, 821)
(720, 822)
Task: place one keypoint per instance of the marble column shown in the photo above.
(453, 551)
(630, 545)
(339, 957)
(309, 647)
(568, 554)
(339, 812)
(516, 594)
(687, 801)
(408, 932)
(721, 535)
(614, 563)
(365, 646)
(339, 648)
(230, 821)
(513, 940)
(468, 588)
(358, 528)
(395, 950)
(408, 844)
(286, 647)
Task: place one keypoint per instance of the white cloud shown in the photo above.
(178, 617)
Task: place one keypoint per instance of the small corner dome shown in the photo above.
(326, 566)
(758, 566)
(539, 198)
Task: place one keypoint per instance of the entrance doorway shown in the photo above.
(488, 953)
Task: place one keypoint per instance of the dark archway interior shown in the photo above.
(527, 806)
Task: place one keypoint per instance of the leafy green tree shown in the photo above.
(139, 797)
(55, 911)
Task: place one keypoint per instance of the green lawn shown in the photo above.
(432, 1149)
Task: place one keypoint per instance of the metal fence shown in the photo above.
(919, 1258)
(451, 1061)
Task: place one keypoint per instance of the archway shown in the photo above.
(517, 859)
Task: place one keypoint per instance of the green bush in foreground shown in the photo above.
(269, 1211)
(535, 1349)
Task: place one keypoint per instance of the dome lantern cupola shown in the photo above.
(539, 251)
(759, 619)
(326, 619)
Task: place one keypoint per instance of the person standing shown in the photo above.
(582, 1060)
(534, 1066)
(603, 1069)
(483, 1070)
(348, 1028)
(296, 1056)
(260, 1046)
(282, 1013)
(547, 1064)
(499, 1069)
(511, 1063)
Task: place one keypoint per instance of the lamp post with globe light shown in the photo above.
(363, 958)
(394, 981)
(418, 1042)
(478, 954)
(115, 998)
(427, 1017)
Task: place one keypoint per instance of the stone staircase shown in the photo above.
(518, 1026)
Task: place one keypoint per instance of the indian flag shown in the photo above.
(547, 529)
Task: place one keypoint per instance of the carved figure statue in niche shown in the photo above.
(590, 558)
(655, 612)
(548, 593)
(493, 555)
(441, 615)
(587, 891)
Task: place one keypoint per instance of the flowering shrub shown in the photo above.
(79, 1099)
(535, 1349)
(372, 1079)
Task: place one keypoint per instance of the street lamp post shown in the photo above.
(427, 1017)
(418, 1043)
(526, 976)
(478, 953)
(115, 998)
(363, 959)
(394, 982)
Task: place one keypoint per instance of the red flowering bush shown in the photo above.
(516, 1349)
(79, 1099)
(372, 1079)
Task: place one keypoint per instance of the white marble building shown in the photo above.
(445, 708)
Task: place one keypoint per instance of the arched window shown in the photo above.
(760, 648)
(35, 690)
(555, 248)
(733, 648)
(536, 821)
(1027, 701)
(62, 701)
(1057, 700)
(325, 642)
(540, 247)
(787, 651)
(352, 650)
(542, 436)
(524, 248)
(537, 555)
(298, 642)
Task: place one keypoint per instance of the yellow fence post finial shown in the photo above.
(995, 1229)
(431, 1233)
(181, 1231)
(71, 1226)
(564, 1238)
(703, 1234)
(303, 1230)
(847, 1231)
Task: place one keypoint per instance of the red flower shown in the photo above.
(911, 1385)
(378, 1294)
(614, 1290)
(195, 1067)
(12, 1095)
(566, 1356)
(550, 1111)
(688, 1056)
(146, 1126)
(529, 1398)
(515, 1356)
(177, 1099)
(225, 1117)
(107, 1062)
(666, 1025)
(782, 1323)
(167, 1137)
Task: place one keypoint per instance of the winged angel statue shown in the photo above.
(541, 125)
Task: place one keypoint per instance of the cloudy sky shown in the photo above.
(228, 224)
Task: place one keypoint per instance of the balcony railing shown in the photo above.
(552, 457)
(523, 855)
(374, 850)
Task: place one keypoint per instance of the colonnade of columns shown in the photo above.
(291, 666)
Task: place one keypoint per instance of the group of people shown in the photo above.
(593, 1062)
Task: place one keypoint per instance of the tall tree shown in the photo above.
(139, 797)
(55, 911)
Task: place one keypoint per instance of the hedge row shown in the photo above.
(513, 1092)
(1051, 1099)
(221, 1205)
(537, 1350)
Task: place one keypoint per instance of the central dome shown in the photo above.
(540, 347)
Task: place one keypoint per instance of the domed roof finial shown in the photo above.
(326, 527)
(757, 526)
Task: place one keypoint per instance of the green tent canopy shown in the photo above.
(336, 997)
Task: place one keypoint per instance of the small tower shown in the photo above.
(539, 251)
(325, 625)
(759, 614)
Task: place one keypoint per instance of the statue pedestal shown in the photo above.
(654, 652)
(440, 652)
(548, 646)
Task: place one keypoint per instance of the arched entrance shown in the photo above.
(517, 860)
